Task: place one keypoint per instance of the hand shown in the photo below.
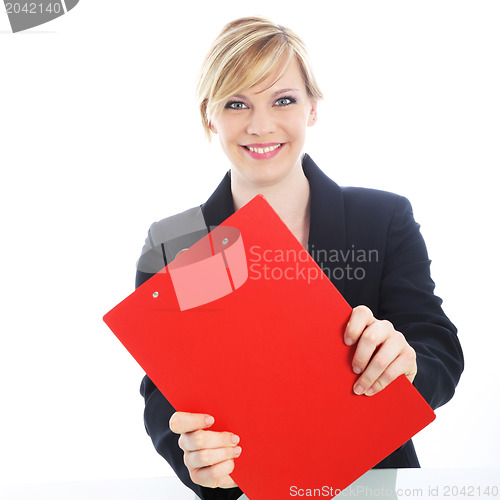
(208, 455)
(382, 353)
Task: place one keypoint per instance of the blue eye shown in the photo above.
(285, 101)
(235, 105)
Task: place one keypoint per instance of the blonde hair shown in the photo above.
(247, 51)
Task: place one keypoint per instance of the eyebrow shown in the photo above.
(285, 90)
(280, 91)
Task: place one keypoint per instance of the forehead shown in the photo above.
(291, 79)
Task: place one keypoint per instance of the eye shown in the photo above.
(235, 105)
(285, 101)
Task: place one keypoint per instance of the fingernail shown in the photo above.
(236, 439)
(370, 391)
(359, 389)
(348, 341)
(356, 369)
(237, 451)
(210, 420)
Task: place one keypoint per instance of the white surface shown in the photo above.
(440, 484)
(130, 489)
(100, 137)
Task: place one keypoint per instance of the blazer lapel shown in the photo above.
(327, 234)
(220, 204)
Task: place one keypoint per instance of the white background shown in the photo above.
(100, 136)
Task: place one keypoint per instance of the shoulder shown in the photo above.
(353, 201)
(374, 205)
(366, 197)
(176, 225)
(168, 236)
(383, 217)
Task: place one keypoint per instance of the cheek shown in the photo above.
(298, 123)
(298, 129)
(228, 131)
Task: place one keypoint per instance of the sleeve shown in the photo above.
(158, 410)
(407, 299)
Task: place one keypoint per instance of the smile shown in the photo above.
(263, 151)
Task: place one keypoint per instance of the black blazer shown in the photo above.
(369, 245)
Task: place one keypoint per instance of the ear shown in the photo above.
(212, 127)
(313, 115)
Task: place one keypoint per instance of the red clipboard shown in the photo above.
(265, 356)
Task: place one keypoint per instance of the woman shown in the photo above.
(258, 94)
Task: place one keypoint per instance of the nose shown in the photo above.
(260, 122)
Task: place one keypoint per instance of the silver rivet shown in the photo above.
(155, 294)
(225, 241)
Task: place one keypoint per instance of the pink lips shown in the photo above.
(263, 156)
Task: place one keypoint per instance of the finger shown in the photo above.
(398, 367)
(385, 356)
(361, 317)
(208, 457)
(215, 476)
(373, 336)
(199, 440)
(182, 422)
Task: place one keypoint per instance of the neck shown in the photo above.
(290, 198)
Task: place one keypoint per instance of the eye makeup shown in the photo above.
(237, 104)
(291, 100)
(233, 104)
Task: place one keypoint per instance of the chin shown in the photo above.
(266, 178)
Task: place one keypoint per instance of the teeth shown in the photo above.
(263, 150)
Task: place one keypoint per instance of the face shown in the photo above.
(262, 130)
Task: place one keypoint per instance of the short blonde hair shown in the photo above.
(248, 51)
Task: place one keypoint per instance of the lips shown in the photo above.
(263, 151)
